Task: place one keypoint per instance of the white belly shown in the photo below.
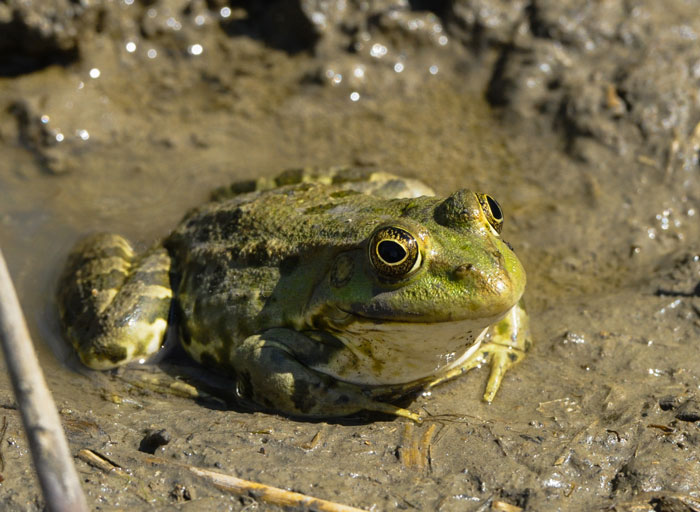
(397, 353)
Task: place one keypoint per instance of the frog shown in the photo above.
(317, 292)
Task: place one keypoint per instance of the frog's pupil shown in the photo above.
(495, 208)
(391, 252)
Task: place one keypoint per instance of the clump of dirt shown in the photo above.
(582, 119)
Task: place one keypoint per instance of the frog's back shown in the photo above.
(262, 222)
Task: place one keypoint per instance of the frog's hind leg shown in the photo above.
(269, 374)
(505, 345)
(114, 304)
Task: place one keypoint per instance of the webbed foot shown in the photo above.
(505, 346)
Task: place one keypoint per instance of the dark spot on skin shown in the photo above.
(150, 309)
(215, 226)
(227, 221)
(240, 187)
(112, 353)
(410, 208)
(178, 316)
(497, 256)
(106, 281)
(289, 264)
(289, 177)
(512, 356)
(208, 360)
(302, 398)
(320, 208)
(158, 277)
(74, 304)
(463, 271)
(342, 399)
(111, 251)
(344, 193)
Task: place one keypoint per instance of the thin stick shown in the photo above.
(52, 459)
(100, 462)
(264, 493)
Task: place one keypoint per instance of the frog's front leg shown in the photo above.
(269, 374)
(114, 304)
(505, 345)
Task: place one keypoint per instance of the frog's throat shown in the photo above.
(390, 353)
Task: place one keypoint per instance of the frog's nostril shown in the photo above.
(463, 271)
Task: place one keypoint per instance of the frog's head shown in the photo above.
(439, 260)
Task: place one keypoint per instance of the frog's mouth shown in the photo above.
(382, 310)
(397, 352)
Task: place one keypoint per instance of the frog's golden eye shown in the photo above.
(394, 252)
(492, 210)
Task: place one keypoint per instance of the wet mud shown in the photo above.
(581, 118)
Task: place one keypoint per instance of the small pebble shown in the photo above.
(153, 440)
(689, 410)
(668, 402)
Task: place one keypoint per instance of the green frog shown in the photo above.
(322, 293)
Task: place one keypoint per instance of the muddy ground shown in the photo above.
(581, 118)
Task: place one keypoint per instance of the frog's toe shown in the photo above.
(502, 359)
(499, 357)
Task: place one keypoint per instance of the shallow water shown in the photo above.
(609, 238)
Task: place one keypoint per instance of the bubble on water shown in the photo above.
(95, 73)
(195, 49)
(131, 47)
(318, 18)
(354, 96)
(378, 50)
(173, 23)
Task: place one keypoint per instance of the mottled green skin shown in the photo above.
(271, 284)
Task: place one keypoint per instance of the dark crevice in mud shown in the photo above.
(13, 62)
(498, 85)
(282, 25)
(440, 7)
(27, 45)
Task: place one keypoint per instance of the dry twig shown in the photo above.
(52, 459)
(261, 492)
